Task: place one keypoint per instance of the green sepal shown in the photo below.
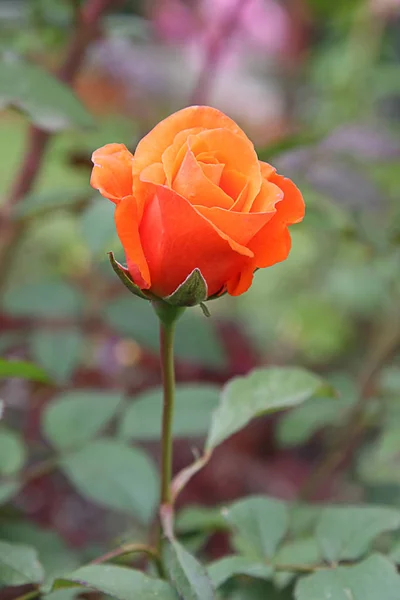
(192, 291)
(125, 277)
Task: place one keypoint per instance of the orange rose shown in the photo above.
(195, 196)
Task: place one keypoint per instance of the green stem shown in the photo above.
(167, 331)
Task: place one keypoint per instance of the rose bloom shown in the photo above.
(195, 196)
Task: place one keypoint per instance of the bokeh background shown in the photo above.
(316, 85)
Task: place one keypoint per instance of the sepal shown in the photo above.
(192, 291)
(126, 279)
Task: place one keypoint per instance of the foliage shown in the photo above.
(81, 401)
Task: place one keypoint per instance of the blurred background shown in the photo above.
(316, 85)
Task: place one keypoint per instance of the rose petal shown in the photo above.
(241, 227)
(127, 223)
(176, 239)
(173, 156)
(241, 282)
(112, 171)
(267, 170)
(191, 183)
(232, 182)
(151, 148)
(233, 150)
(291, 209)
(267, 197)
(212, 172)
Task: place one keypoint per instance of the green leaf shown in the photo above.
(260, 523)
(12, 452)
(262, 391)
(194, 404)
(296, 552)
(196, 340)
(192, 291)
(59, 352)
(19, 565)
(98, 225)
(299, 424)
(375, 578)
(192, 519)
(122, 583)
(379, 462)
(49, 103)
(46, 299)
(40, 202)
(8, 489)
(188, 575)
(63, 594)
(52, 552)
(230, 566)
(73, 418)
(115, 475)
(346, 532)
(21, 369)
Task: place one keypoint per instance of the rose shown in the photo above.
(195, 196)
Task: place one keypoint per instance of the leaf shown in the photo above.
(346, 532)
(122, 583)
(188, 575)
(115, 475)
(372, 579)
(230, 566)
(296, 552)
(52, 552)
(19, 565)
(195, 340)
(59, 352)
(98, 225)
(379, 462)
(299, 424)
(63, 594)
(49, 103)
(40, 202)
(262, 391)
(75, 417)
(21, 369)
(193, 407)
(192, 519)
(260, 523)
(45, 299)
(8, 489)
(192, 291)
(12, 452)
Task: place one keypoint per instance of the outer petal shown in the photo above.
(112, 171)
(272, 243)
(127, 223)
(151, 148)
(291, 209)
(192, 183)
(241, 227)
(176, 239)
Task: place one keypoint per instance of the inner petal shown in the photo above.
(212, 172)
(231, 150)
(233, 183)
(175, 153)
(195, 186)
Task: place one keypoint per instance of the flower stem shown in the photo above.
(167, 331)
